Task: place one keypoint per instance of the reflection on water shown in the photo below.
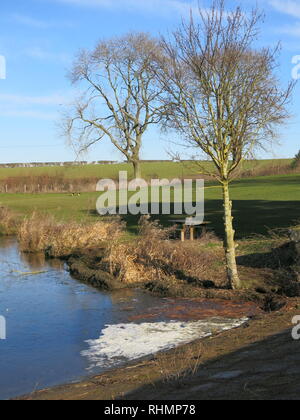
(54, 323)
(122, 296)
(49, 318)
(38, 261)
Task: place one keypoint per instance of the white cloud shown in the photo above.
(150, 6)
(54, 99)
(37, 107)
(28, 114)
(291, 30)
(38, 23)
(41, 54)
(289, 7)
(29, 21)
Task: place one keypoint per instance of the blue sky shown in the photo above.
(39, 39)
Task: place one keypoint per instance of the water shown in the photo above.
(60, 330)
(49, 317)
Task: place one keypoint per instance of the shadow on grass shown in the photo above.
(273, 180)
(251, 217)
(259, 260)
(254, 217)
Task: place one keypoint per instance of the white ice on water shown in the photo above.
(123, 342)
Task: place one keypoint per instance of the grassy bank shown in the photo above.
(264, 207)
(101, 254)
(259, 204)
(68, 224)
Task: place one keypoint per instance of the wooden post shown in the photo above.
(183, 234)
(192, 230)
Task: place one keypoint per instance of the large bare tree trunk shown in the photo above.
(137, 169)
(229, 243)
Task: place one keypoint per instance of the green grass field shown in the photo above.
(259, 204)
(153, 169)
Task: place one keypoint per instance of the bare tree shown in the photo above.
(223, 95)
(120, 97)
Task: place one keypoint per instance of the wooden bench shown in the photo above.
(190, 228)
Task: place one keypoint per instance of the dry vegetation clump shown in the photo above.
(181, 363)
(154, 257)
(8, 221)
(38, 233)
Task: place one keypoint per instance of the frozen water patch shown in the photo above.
(123, 342)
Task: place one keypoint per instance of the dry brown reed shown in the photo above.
(180, 363)
(38, 233)
(8, 221)
(47, 184)
(154, 256)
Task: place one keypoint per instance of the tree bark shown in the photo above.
(229, 243)
(137, 169)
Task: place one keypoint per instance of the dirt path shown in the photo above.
(258, 361)
(269, 369)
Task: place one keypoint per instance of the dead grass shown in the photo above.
(47, 184)
(153, 257)
(182, 363)
(8, 221)
(58, 239)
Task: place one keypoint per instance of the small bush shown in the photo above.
(154, 257)
(38, 233)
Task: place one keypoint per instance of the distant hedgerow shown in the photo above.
(296, 161)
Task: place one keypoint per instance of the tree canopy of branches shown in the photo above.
(120, 99)
(223, 96)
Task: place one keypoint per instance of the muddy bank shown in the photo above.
(81, 270)
(164, 267)
(222, 366)
(89, 269)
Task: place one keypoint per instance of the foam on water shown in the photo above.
(124, 342)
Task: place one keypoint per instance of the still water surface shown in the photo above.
(60, 330)
(49, 317)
